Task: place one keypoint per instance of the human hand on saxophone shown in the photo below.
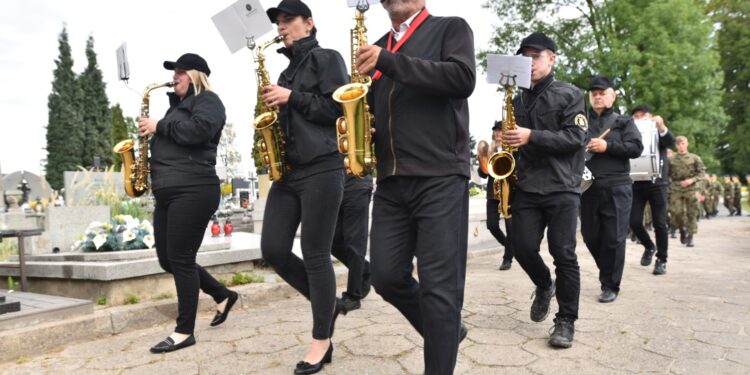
(367, 57)
(274, 95)
(516, 137)
(146, 126)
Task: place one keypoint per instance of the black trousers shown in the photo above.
(180, 219)
(656, 196)
(314, 202)
(557, 212)
(605, 217)
(350, 239)
(426, 218)
(493, 225)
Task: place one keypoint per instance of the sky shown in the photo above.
(163, 30)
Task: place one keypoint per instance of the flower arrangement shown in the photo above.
(123, 232)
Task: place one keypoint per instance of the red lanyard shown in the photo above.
(413, 27)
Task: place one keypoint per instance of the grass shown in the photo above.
(8, 248)
(101, 301)
(131, 299)
(241, 278)
(165, 295)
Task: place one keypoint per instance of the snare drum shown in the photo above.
(647, 167)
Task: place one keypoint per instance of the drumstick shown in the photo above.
(604, 133)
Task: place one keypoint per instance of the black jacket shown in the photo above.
(665, 141)
(612, 167)
(420, 102)
(183, 149)
(309, 119)
(553, 159)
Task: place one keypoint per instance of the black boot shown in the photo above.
(689, 240)
(683, 236)
(562, 334)
(648, 254)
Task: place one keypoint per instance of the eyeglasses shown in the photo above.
(535, 56)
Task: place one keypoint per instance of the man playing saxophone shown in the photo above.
(550, 135)
(424, 71)
(310, 192)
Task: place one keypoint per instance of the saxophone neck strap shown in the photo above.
(412, 28)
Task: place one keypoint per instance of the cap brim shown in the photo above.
(537, 47)
(273, 13)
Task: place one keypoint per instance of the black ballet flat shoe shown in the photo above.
(167, 345)
(220, 317)
(308, 368)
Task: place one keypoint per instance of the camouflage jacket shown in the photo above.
(684, 166)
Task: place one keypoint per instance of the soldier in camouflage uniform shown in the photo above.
(747, 179)
(716, 191)
(704, 197)
(729, 195)
(686, 171)
(737, 195)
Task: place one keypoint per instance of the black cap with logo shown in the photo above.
(189, 61)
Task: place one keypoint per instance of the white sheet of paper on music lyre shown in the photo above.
(242, 20)
(353, 3)
(518, 66)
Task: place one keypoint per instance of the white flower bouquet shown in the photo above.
(123, 232)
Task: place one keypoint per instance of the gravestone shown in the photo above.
(30, 185)
(8, 307)
(2, 192)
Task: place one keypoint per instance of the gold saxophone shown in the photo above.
(136, 169)
(502, 164)
(271, 146)
(354, 127)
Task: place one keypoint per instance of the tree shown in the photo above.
(733, 40)
(230, 157)
(64, 133)
(119, 133)
(656, 52)
(97, 120)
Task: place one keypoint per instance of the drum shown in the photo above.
(647, 167)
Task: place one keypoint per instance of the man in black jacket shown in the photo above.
(424, 73)
(551, 135)
(605, 206)
(655, 193)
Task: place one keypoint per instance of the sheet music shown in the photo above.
(513, 67)
(123, 68)
(242, 20)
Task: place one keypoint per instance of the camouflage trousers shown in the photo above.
(684, 210)
(729, 203)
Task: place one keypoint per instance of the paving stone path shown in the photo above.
(693, 320)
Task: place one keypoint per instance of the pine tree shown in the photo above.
(97, 121)
(119, 133)
(64, 133)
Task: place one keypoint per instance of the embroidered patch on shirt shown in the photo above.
(581, 121)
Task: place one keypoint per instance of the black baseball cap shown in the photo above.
(537, 41)
(291, 7)
(498, 125)
(640, 108)
(189, 61)
(600, 83)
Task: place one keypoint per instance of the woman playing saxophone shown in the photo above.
(186, 188)
(310, 193)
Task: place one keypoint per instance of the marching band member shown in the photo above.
(424, 73)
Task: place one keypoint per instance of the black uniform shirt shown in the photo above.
(612, 167)
(553, 159)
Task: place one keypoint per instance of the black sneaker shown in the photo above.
(648, 254)
(506, 265)
(660, 267)
(540, 306)
(562, 333)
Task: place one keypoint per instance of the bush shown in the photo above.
(101, 301)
